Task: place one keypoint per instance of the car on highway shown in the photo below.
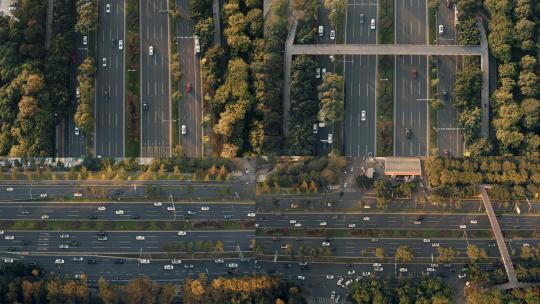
(168, 267)
(172, 208)
(434, 265)
(435, 245)
(414, 73)
(378, 269)
(77, 131)
(297, 225)
(430, 269)
(108, 8)
(462, 275)
(372, 24)
(8, 260)
(352, 225)
(332, 34)
(441, 29)
(184, 129)
(181, 233)
(1, 231)
(43, 195)
(102, 237)
(321, 30)
(363, 116)
(251, 214)
(191, 212)
(140, 238)
(205, 208)
(151, 50)
(45, 217)
(351, 272)
(349, 282)
(323, 224)
(104, 61)
(188, 266)
(77, 259)
(408, 133)
(525, 245)
(403, 269)
(9, 237)
(119, 212)
(188, 87)
(120, 44)
(158, 204)
(219, 261)
(9, 189)
(323, 72)
(77, 194)
(25, 212)
(474, 222)
(333, 294)
(113, 43)
(106, 95)
(176, 261)
(329, 276)
(63, 246)
(301, 277)
(462, 226)
(426, 240)
(85, 40)
(91, 262)
(374, 240)
(492, 244)
(366, 218)
(366, 273)
(325, 244)
(377, 265)
(284, 246)
(292, 222)
(59, 261)
(340, 281)
(145, 106)
(318, 73)
(417, 222)
(362, 18)
(102, 208)
(64, 236)
(330, 138)
(315, 128)
(144, 261)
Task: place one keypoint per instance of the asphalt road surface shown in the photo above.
(191, 102)
(108, 268)
(395, 221)
(119, 242)
(411, 21)
(155, 80)
(110, 80)
(358, 29)
(352, 247)
(143, 211)
(410, 108)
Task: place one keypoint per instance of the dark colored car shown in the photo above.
(408, 133)
(93, 217)
(74, 243)
(12, 248)
(135, 217)
(106, 95)
(91, 261)
(414, 73)
(188, 87)
(120, 261)
(113, 44)
(145, 106)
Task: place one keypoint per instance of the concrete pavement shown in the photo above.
(385, 49)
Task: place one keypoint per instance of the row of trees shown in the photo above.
(514, 42)
(529, 295)
(467, 28)
(84, 117)
(426, 290)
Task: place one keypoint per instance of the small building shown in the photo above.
(402, 166)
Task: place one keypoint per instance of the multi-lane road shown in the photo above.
(110, 79)
(190, 104)
(155, 79)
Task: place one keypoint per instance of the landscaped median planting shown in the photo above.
(126, 225)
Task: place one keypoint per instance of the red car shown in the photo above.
(188, 86)
(414, 73)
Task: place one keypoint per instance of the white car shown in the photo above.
(108, 7)
(329, 276)
(435, 245)
(1, 231)
(171, 208)
(119, 212)
(9, 189)
(366, 274)
(297, 225)
(349, 282)
(333, 294)
(403, 270)
(140, 238)
(176, 261)
(251, 214)
(292, 221)
(340, 281)
(77, 131)
(8, 260)
(104, 61)
(188, 266)
(77, 259)
(366, 218)
(150, 50)
(332, 34)
(430, 269)
(181, 233)
(59, 261)
(434, 265)
(351, 272)
(158, 204)
(232, 265)
(63, 246)
(189, 212)
(43, 195)
(301, 277)
(325, 244)
(120, 44)
(45, 217)
(101, 208)
(441, 29)
(144, 261)
(64, 236)
(378, 269)
(352, 225)
(376, 264)
(219, 261)
(184, 129)
(523, 245)
(205, 208)
(462, 275)
(318, 73)
(323, 224)
(463, 226)
(427, 240)
(321, 30)
(77, 194)
(85, 40)
(323, 72)
(474, 222)
(168, 267)
(372, 24)
(363, 117)
(9, 237)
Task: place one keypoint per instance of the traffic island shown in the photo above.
(133, 75)
(385, 105)
(386, 22)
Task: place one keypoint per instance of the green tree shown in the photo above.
(404, 254)
(379, 253)
(331, 98)
(476, 254)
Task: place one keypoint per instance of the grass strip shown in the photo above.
(133, 75)
(385, 105)
(128, 225)
(433, 117)
(385, 34)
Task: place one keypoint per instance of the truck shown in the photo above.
(197, 46)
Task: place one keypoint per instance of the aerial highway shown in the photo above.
(416, 221)
(143, 211)
(117, 242)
